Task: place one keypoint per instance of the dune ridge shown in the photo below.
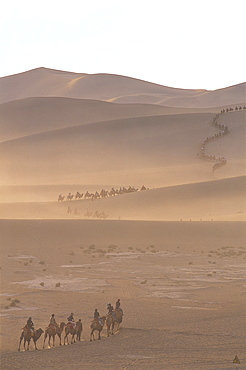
(46, 82)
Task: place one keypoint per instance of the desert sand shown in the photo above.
(174, 252)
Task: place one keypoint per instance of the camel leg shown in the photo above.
(21, 337)
(45, 336)
(35, 345)
(99, 334)
(59, 335)
(92, 335)
(53, 341)
(73, 339)
(28, 343)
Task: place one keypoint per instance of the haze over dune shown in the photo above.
(151, 209)
(49, 137)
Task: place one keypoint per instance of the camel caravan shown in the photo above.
(72, 329)
(99, 195)
(219, 161)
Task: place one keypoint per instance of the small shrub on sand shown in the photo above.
(42, 283)
(112, 247)
(6, 307)
(41, 262)
(144, 282)
(12, 304)
(58, 285)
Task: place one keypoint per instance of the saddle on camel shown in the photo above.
(29, 327)
(71, 322)
(97, 317)
(111, 311)
(53, 324)
(118, 308)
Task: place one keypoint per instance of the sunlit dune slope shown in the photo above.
(29, 116)
(47, 82)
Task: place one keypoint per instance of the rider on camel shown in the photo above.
(53, 321)
(117, 306)
(110, 308)
(96, 314)
(97, 317)
(30, 325)
(71, 320)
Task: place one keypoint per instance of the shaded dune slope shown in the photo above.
(29, 116)
(112, 146)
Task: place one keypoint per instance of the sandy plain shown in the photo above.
(174, 254)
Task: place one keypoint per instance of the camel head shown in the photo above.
(38, 333)
(62, 324)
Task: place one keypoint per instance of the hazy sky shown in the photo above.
(177, 43)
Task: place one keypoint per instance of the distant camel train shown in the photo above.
(219, 161)
(102, 194)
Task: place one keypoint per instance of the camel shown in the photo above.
(69, 329)
(51, 331)
(119, 316)
(87, 195)
(27, 336)
(95, 325)
(61, 198)
(110, 322)
(70, 197)
(78, 195)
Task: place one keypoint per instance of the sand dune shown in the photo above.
(174, 254)
(128, 151)
(120, 145)
(47, 82)
(29, 116)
